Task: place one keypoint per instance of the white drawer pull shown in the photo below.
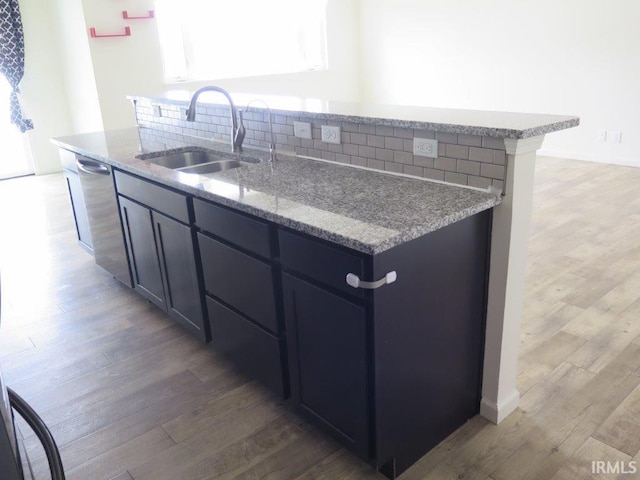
(354, 281)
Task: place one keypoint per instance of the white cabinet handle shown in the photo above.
(354, 281)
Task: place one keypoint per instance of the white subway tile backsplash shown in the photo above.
(403, 132)
(493, 142)
(367, 152)
(479, 182)
(492, 171)
(445, 137)
(455, 178)
(350, 149)
(343, 158)
(470, 168)
(358, 139)
(423, 161)
(393, 143)
(368, 129)
(378, 164)
(393, 167)
(413, 170)
(403, 157)
(434, 174)
(384, 131)
(444, 163)
(469, 140)
(424, 134)
(375, 141)
(462, 158)
(384, 154)
(457, 151)
(481, 154)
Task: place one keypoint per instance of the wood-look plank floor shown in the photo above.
(129, 395)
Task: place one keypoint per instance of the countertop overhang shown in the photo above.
(450, 120)
(366, 210)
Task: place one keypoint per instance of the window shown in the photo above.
(209, 39)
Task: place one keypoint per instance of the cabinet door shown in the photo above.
(326, 337)
(79, 210)
(143, 254)
(178, 265)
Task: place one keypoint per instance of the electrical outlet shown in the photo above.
(425, 147)
(183, 112)
(302, 130)
(602, 136)
(330, 134)
(157, 111)
(616, 137)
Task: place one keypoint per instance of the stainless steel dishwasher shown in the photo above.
(99, 191)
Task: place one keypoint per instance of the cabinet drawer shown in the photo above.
(242, 281)
(172, 204)
(255, 351)
(329, 265)
(241, 230)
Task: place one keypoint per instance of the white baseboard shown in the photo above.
(496, 413)
(591, 157)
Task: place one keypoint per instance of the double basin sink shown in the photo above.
(194, 161)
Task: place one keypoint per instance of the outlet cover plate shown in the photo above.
(602, 135)
(302, 130)
(616, 136)
(157, 110)
(425, 147)
(330, 134)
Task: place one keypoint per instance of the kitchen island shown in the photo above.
(282, 252)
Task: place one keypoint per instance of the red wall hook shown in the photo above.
(126, 16)
(127, 33)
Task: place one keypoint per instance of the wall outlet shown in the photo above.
(302, 130)
(615, 137)
(425, 147)
(602, 136)
(157, 110)
(330, 134)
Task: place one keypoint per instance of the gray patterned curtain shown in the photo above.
(12, 57)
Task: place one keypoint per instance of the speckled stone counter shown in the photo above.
(449, 120)
(358, 208)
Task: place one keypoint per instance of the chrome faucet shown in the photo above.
(237, 132)
(272, 143)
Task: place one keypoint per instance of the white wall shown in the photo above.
(341, 81)
(570, 57)
(132, 65)
(77, 67)
(44, 95)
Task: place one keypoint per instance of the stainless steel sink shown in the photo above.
(185, 159)
(216, 166)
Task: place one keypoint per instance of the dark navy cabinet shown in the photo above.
(161, 250)
(243, 294)
(390, 371)
(329, 370)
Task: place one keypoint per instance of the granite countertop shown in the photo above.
(362, 209)
(451, 120)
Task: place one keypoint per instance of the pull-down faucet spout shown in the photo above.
(237, 134)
